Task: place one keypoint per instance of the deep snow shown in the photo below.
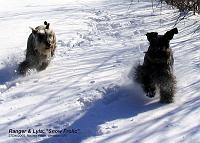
(87, 86)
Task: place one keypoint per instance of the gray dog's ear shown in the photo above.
(47, 25)
(33, 30)
(151, 36)
(170, 34)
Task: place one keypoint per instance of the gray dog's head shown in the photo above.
(44, 38)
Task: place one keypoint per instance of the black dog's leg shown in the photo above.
(167, 89)
(149, 86)
(143, 77)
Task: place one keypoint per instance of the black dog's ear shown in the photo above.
(151, 36)
(170, 34)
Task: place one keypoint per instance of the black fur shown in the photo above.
(157, 70)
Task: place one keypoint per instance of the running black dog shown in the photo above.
(157, 69)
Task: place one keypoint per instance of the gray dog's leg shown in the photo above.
(23, 67)
(43, 66)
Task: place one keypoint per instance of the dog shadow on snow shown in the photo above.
(9, 67)
(116, 103)
(7, 73)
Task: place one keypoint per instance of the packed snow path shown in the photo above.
(87, 87)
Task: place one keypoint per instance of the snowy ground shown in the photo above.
(87, 86)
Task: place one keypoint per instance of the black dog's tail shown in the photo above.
(137, 74)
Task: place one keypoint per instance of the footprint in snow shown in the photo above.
(99, 12)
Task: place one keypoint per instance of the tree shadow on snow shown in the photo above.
(116, 103)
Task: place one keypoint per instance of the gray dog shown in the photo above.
(157, 70)
(41, 46)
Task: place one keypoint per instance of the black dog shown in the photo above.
(157, 69)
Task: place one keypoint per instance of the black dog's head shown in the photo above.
(160, 42)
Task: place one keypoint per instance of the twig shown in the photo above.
(152, 5)
(179, 19)
(197, 29)
(130, 5)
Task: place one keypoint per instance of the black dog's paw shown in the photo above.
(151, 94)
